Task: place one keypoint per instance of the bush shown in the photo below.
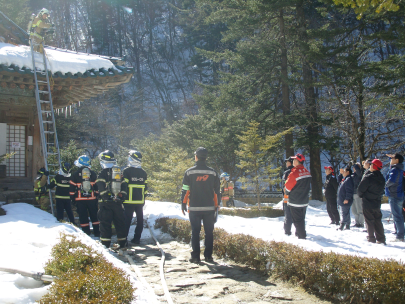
(2, 211)
(84, 276)
(338, 277)
(252, 212)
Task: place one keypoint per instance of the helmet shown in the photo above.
(107, 159)
(82, 161)
(226, 175)
(44, 11)
(43, 171)
(66, 167)
(134, 158)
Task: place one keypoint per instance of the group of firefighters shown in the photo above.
(112, 196)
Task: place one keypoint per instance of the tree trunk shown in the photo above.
(362, 123)
(289, 150)
(311, 109)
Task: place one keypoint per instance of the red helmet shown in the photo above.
(377, 163)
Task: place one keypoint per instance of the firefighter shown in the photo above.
(227, 193)
(38, 27)
(83, 193)
(41, 189)
(111, 198)
(201, 193)
(134, 187)
(62, 183)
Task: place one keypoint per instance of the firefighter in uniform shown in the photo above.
(62, 183)
(41, 189)
(111, 198)
(83, 193)
(134, 187)
(201, 193)
(38, 27)
(227, 193)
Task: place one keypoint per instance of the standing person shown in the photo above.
(83, 193)
(62, 183)
(227, 192)
(134, 187)
(345, 197)
(286, 209)
(331, 187)
(366, 166)
(41, 189)
(201, 192)
(395, 193)
(297, 188)
(371, 190)
(357, 208)
(111, 197)
(38, 27)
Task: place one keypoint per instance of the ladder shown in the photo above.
(47, 126)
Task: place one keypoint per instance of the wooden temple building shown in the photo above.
(19, 127)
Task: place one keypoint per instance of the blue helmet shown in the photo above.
(66, 167)
(83, 161)
(226, 175)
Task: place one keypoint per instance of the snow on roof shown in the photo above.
(63, 62)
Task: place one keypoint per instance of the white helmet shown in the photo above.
(44, 11)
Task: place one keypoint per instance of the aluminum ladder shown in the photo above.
(46, 117)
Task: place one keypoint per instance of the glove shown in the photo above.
(184, 208)
(43, 189)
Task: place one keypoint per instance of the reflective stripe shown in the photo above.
(84, 225)
(62, 197)
(202, 172)
(37, 35)
(62, 185)
(96, 223)
(126, 180)
(301, 177)
(131, 187)
(186, 187)
(72, 183)
(225, 197)
(90, 198)
(121, 239)
(100, 180)
(201, 208)
(105, 239)
(296, 205)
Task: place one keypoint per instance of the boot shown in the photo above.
(337, 223)
(341, 227)
(347, 227)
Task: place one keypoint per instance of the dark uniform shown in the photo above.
(201, 191)
(134, 186)
(86, 202)
(286, 209)
(62, 196)
(331, 187)
(111, 210)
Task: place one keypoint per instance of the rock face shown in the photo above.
(219, 282)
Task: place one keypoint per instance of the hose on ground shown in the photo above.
(38, 276)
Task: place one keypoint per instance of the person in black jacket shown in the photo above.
(331, 187)
(111, 197)
(83, 193)
(345, 197)
(201, 193)
(134, 186)
(62, 196)
(287, 214)
(371, 190)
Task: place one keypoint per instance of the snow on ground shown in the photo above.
(27, 237)
(58, 61)
(320, 235)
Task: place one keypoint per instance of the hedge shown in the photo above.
(345, 278)
(252, 212)
(84, 276)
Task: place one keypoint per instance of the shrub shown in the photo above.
(252, 212)
(2, 211)
(84, 276)
(338, 277)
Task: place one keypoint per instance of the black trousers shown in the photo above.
(112, 212)
(129, 213)
(61, 206)
(207, 217)
(287, 219)
(85, 209)
(331, 207)
(375, 228)
(298, 218)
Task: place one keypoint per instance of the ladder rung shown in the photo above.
(49, 132)
(40, 81)
(44, 101)
(46, 111)
(43, 92)
(47, 121)
(54, 165)
(52, 153)
(50, 143)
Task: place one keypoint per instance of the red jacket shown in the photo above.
(297, 186)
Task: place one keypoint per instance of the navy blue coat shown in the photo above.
(346, 191)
